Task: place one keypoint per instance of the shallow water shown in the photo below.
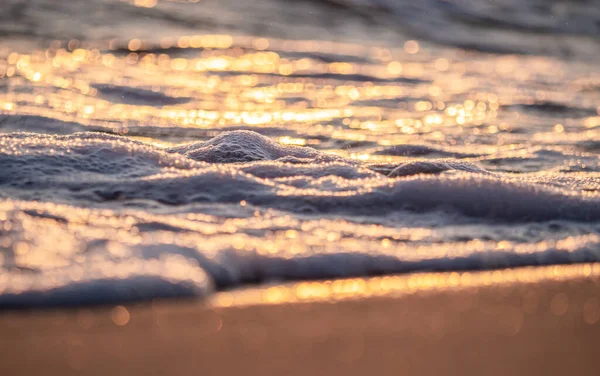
(165, 161)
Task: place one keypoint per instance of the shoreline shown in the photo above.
(535, 320)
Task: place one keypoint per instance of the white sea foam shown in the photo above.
(65, 254)
(89, 167)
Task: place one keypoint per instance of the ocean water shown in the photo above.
(154, 148)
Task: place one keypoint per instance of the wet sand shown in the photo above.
(529, 321)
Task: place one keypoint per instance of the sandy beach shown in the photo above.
(529, 321)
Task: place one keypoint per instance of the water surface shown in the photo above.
(156, 148)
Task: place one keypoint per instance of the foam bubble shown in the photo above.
(246, 146)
